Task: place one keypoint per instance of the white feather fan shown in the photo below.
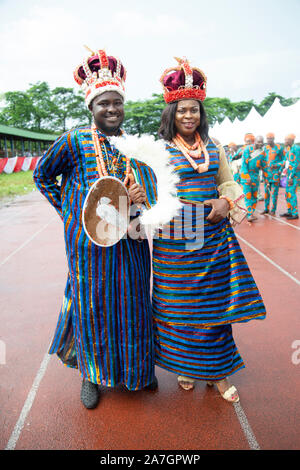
(153, 152)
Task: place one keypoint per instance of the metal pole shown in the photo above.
(5, 147)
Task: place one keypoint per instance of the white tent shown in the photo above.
(281, 120)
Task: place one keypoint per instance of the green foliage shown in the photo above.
(57, 110)
(16, 184)
(267, 102)
(66, 106)
(40, 109)
(18, 110)
(143, 117)
(217, 109)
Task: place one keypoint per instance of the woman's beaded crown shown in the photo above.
(183, 82)
(99, 73)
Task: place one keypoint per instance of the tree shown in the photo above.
(40, 97)
(81, 114)
(267, 102)
(44, 110)
(67, 107)
(143, 117)
(17, 111)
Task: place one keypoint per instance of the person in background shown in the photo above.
(232, 148)
(236, 159)
(275, 164)
(292, 152)
(235, 165)
(254, 160)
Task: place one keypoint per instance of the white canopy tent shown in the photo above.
(281, 120)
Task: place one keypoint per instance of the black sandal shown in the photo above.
(153, 386)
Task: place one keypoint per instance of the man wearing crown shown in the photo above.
(105, 323)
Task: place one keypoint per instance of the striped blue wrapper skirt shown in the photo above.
(204, 353)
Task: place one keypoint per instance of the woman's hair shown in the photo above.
(167, 129)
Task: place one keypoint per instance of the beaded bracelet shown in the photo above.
(230, 202)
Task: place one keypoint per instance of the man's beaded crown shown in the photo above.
(99, 73)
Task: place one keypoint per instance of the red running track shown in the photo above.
(40, 398)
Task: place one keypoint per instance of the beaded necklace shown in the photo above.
(194, 150)
(116, 165)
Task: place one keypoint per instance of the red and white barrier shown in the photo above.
(10, 165)
(15, 164)
(3, 162)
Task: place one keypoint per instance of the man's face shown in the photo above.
(108, 112)
(259, 142)
(288, 142)
(270, 141)
(249, 141)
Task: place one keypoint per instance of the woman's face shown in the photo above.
(187, 117)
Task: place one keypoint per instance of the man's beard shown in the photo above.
(109, 130)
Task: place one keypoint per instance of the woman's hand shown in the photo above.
(137, 193)
(220, 209)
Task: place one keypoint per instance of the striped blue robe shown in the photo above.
(199, 291)
(105, 324)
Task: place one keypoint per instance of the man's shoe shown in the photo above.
(90, 394)
(285, 214)
(265, 211)
(153, 385)
(292, 217)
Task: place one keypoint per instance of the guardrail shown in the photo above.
(15, 164)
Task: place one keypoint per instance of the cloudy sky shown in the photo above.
(247, 48)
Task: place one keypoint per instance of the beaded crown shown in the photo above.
(99, 73)
(183, 82)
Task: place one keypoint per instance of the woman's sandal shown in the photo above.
(186, 382)
(231, 394)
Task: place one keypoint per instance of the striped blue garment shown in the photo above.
(105, 324)
(199, 291)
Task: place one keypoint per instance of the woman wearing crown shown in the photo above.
(200, 286)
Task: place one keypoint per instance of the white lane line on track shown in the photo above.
(26, 242)
(32, 393)
(253, 444)
(283, 222)
(28, 404)
(269, 259)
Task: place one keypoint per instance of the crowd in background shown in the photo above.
(273, 164)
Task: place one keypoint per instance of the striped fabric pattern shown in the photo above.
(201, 353)
(105, 324)
(198, 292)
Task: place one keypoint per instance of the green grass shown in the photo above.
(16, 184)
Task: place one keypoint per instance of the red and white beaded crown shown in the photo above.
(183, 82)
(99, 73)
